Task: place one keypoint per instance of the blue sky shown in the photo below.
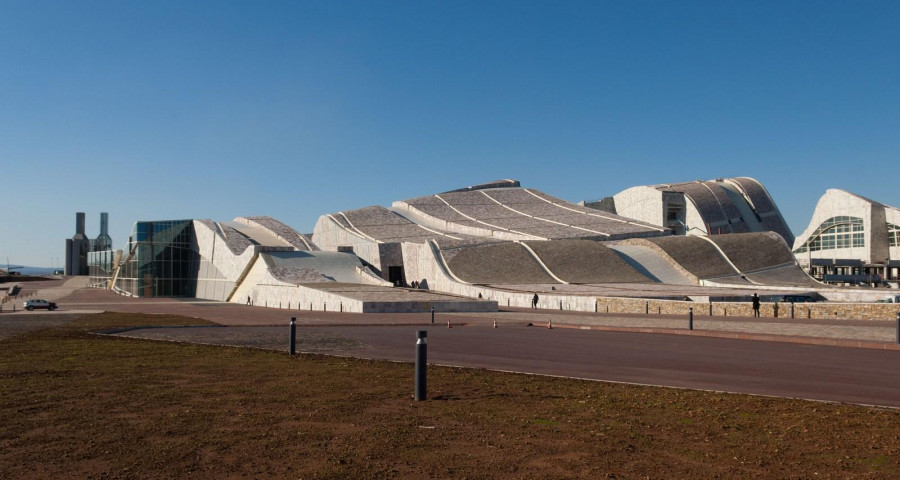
(163, 110)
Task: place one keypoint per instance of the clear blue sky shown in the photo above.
(154, 110)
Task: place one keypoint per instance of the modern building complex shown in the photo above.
(724, 205)
(851, 239)
(474, 248)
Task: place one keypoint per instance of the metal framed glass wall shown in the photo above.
(836, 232)
(100, 267)
(162, 262)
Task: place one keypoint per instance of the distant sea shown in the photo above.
(35, 271)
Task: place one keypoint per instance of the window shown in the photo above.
(893, 235)
(836, 232)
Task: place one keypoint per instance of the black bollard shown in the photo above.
(792, 309)
(710, 309)
(646, 308)
(324, 307)
(691, 318)
(432, 315)
(560, 304)
(776, 309)
(342, 307)
(421, 365)
(293, 336)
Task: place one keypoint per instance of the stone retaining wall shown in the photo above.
(845, 311)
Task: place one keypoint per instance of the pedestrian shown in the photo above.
(248, 300)
(534, 301)
(755, 301)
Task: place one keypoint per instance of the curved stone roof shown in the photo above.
(754, 251)
(585, 261)
(499, 263)
(527, 213)
(713, 204)
(280, 230)
(694, 254)
(384, 225)
(236, 242)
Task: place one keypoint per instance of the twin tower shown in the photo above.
(79, 245)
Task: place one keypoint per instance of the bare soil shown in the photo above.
(79, 405)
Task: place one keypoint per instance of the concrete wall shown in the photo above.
(835, 203)
(329, 235)
(220, 268)
(641, 203)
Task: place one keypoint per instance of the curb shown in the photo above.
(831, 342)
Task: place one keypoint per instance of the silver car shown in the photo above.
(35, 303)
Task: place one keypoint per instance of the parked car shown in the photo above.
(35, 303)
(797, 298)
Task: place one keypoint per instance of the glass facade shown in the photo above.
(162, 261)
(836, 232)
(100, 267)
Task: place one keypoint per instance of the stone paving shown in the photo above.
(867, 333)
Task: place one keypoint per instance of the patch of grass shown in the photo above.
(76, 405)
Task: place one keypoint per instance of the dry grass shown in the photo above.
(77, 405)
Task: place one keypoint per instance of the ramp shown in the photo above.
(315, 266)
(649, 263)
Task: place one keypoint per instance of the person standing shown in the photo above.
(534, 301)
(755, 301)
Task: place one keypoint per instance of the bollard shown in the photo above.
(691, 318)
(646, 308)
(507, 302)
(310, 306)
(595, 306)
(550, 324)
(421, 365)
(792, 309)
(432, 315)
(293, 336)
(560, 304)
(710, 309)
(342, 307)
(324, 306)
(776, 309)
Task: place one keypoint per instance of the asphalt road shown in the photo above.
(812, 372)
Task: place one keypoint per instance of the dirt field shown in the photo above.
(79, 405)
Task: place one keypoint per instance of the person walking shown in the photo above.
(534, 301)
(755, 301)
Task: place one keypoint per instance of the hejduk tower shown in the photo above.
(77, 248)
(103, 241)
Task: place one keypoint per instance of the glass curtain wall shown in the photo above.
(100, 266)
(836, 232)
(163, 262)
